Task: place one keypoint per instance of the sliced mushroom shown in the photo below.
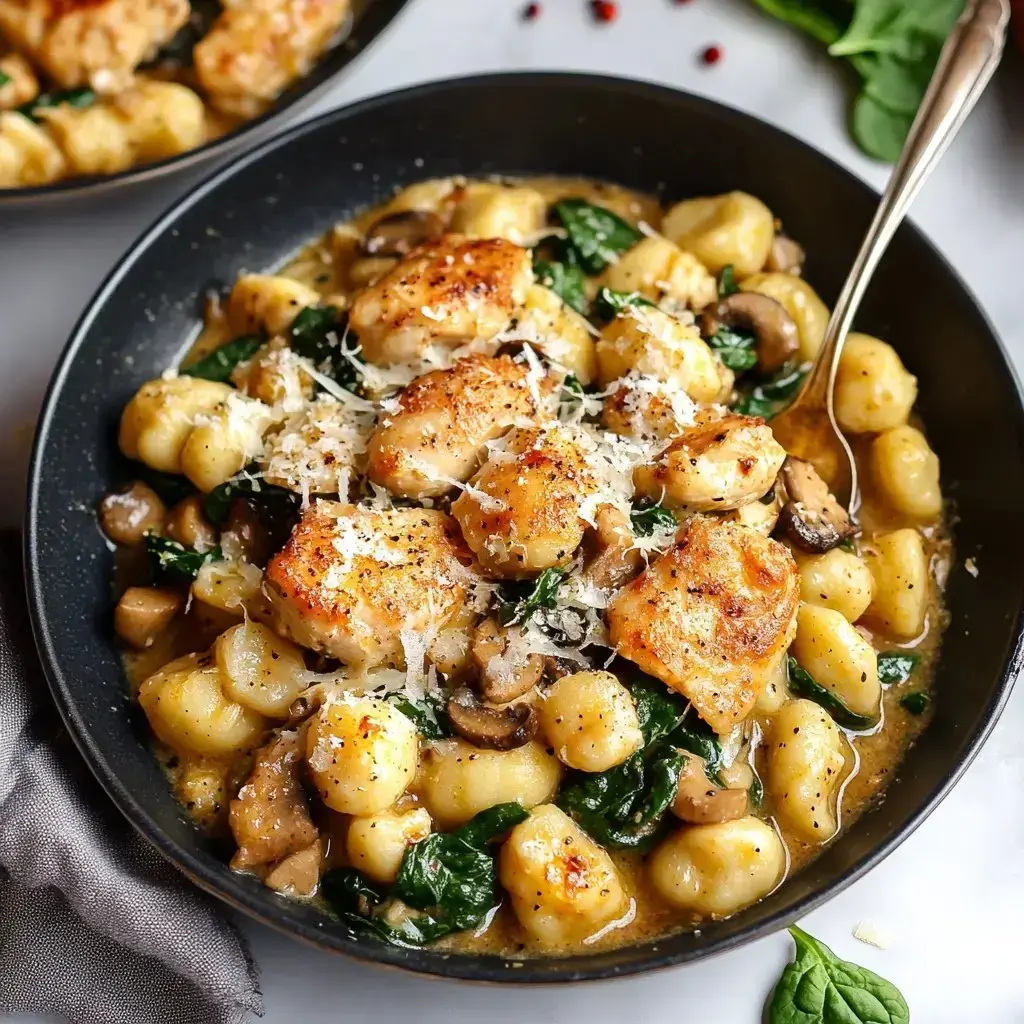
(556, 668)
(187, 524)
(785, 257)
(502, 675)
(699, 801)
(778, 338)
(811, 518)
(491, 728)
(396, 234)
(127, 516)
(145, 612)
(246, 527)
(611, 559)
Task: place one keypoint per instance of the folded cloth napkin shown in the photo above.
(95, 926)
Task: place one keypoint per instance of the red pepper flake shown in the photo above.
(604, 10)
(531, 12)
(712, 55)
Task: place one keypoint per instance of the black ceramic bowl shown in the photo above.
(369, 19)
(255, 213)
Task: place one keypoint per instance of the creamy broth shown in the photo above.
(335, 269)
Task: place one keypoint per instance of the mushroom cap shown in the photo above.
(397, 234)
(778, 337)
(502, 728)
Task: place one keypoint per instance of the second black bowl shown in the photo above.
(261, 209)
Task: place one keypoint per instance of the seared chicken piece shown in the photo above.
(522, 512)
(720, 463)
(710, 616)
(445, 293)
(437, 434)
(270, 816)
(363, 585)
(257, 48)
(98, 43)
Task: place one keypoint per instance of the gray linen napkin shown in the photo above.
(94, 925)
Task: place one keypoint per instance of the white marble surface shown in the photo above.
(951, 896)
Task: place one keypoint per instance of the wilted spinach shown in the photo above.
(275, 502)
(735, 348)
(564, 277)
(896, 666)
(521, 601)
(316, 334)
(651, 519)
(4, 79)
(75, 98)
(770, 396)
(175, 559)
(727, 282)
(819, 988)
(596, 234)
(803, 684)
(916, 703)
(220, 363)
(609, 302)
(428, 715)
(449, 878)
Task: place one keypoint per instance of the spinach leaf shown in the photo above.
(179, 49)
(428, 715)
(451, 875)
(896, 666)
(916, 703)
(219, 364)
(609, 302)
(366, 909)
(525, 600)
(756, 792)
(819, 988)
(597, 235)
(4, 79)
(565, 280)
(76, 98)
(622, 807)
(652, 519)
(803, 684)
(170, 487)
(177, 560)
(880, 132)
(822, 21)
(735, 348)
(900, 27)
(770, 396)
(727, 282)
(276, 502)
(316, 334)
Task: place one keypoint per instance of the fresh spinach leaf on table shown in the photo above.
(803, 684)
(175, 559)
(597, 235)
(819, 988)
(219, 364)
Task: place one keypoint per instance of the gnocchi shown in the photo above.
(874, 391)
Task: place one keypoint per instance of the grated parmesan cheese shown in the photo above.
(872, 935)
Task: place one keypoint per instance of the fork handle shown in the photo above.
(968, 60)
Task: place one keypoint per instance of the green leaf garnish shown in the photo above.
(896, 666)
(565, 280)
(428, 714)
(221, 362)
(597, 235)
(735, 348)
(4, 79)
(819, 988)
(769, 397)
(803, 684)
(316, 334)
(177, 560)
(275, 501)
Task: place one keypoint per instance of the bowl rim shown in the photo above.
(456, 967)
(371, 22)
